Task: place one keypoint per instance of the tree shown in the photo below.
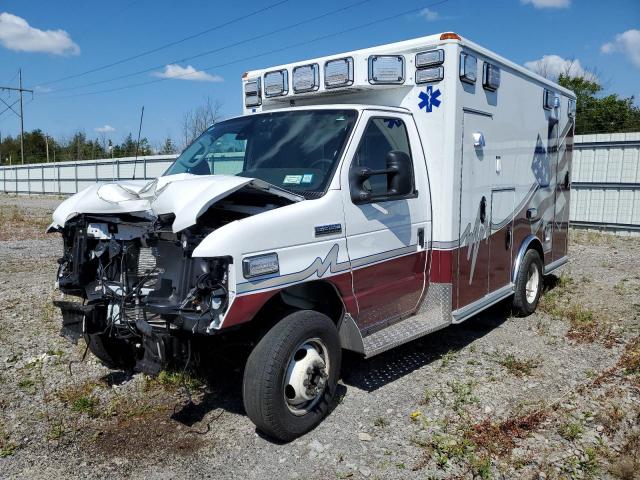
(168, 148)
(600, 114)
(197, 120)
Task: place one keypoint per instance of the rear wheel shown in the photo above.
(529, 281)
(291, 375)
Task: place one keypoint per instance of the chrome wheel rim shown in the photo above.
(533, 283)
(306, 377)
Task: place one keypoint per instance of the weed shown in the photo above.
(570, 431)
(518, 367)
(630, 360)
(172, 381)
(381, 422)
(85, 404)
(447, 358)
(27, 385)
(56, 432)
(447, 448)
(481, 467)
(80, 399)
(462, 394)
(57, 352)
(499, 438)
(7, 448)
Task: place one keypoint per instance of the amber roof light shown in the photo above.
(450, 36)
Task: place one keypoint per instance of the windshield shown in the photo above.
(297, 151)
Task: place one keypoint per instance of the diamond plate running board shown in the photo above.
(434, 314)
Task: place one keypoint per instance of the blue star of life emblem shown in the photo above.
(429, 99)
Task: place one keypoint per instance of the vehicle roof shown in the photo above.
(414, 45)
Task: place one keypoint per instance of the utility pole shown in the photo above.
(46, 141)
(20, 90)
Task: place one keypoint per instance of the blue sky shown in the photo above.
(51, 40)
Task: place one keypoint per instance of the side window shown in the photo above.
(382, 135)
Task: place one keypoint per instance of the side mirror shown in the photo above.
(399, 179)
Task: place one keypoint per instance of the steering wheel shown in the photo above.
(318, 164)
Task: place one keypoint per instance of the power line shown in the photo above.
(219, 49)
(269, 52)
(166, 45)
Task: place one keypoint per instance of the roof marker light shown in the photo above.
(450, 36)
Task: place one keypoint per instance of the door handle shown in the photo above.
(509, 236)
(421, 237)
(478, 140)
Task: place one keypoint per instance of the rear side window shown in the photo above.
(381, 136)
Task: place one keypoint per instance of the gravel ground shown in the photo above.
(553, 395)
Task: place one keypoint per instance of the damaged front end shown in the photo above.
(145, 298)
(140, 285)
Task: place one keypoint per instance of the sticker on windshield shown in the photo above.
(292, 180)
(307, 178)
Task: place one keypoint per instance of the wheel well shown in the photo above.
(318, 295)
(537, 246)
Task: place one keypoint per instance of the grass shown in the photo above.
(518, 367)
(80, 398)
(570, 431)
(7, 448)
(172, 381)
(27, 385)
(85, 404)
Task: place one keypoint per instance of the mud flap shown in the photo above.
(155, 357)
(77, 319)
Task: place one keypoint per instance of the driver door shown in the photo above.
(386, 237)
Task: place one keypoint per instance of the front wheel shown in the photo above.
(529, 283)
(291, 375)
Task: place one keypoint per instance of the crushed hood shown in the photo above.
(186, 196)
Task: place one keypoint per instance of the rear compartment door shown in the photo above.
(501, 237)
(475, 198)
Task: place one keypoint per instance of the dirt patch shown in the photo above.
(151, 434)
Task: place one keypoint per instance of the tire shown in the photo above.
(529, 282)
(277, 360)
(114, 353)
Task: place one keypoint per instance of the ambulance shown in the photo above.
(361, 201)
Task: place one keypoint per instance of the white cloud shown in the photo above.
(16, 34)
(548, 3)
(187, 73)
(105, 129)
(551, 66)
(627, 43)
(429, 15)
